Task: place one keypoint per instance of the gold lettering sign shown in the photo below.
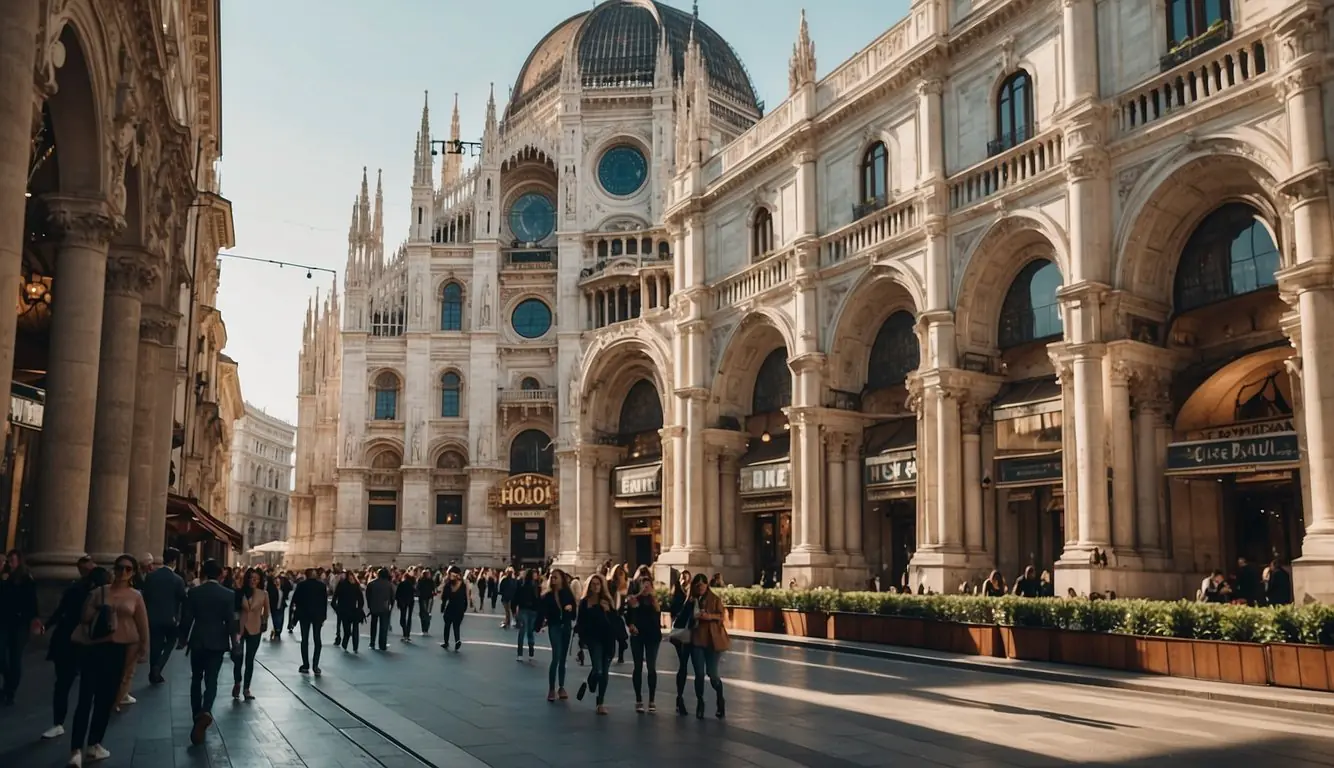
(525, 491)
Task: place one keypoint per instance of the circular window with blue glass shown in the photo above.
(622, 170)
(531, 319)
(532, 218)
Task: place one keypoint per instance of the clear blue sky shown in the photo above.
(315, 89)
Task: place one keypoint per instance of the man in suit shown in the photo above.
(209, 625)
(310, 602)
(164, 594)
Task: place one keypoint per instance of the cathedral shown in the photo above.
(835, 341)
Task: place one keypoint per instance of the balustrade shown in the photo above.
(759, 277)
(1007, 170)
(877, 228)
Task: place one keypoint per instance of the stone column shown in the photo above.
(602, 504)
(807, 485)
(971, 414)
(1122, 456)
(1150, 411)
(1091, 446)
(728, 490)
(164, 425)
(696, 471)
(949, 509)
(587, 541)
(835, 487)
(156, 333)
(852, 505)
(669, 538)
(19, 23)
(567, 465)
(129, 274)
(415, 535)
(86, 227)
(678, 510)
(712, 501)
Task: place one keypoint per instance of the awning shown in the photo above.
(271, 546)
(1027, 398)
(191, 522)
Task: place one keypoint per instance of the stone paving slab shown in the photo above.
(1292, 699)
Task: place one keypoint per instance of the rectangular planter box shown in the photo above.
(806, 624)
(896, 630)
(849, 626)
(983, 640)
(1150, 655)
(1028, 643)
(1229, 662)
(749, 619)
(1302, 666)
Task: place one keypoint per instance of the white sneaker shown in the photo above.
(96, 752)
(54, 732)
(128, 700)
(75, 760)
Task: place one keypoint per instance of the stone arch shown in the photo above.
(78, 104)
(382, 448)
(610, 369)
(1009, 245)
(881, 292)
(757, 335)
(446, 446)
(1176, 196)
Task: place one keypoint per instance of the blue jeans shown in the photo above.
(560, 651)
(705, 661)
(527, 620)
(599, 661)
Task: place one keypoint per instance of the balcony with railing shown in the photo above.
(1008, 141)
(530, 259)
(760, 277)
(1008, 170)
(882, 226)
(632, 250)
(1208, 74)
(867, 207)
(1218, 33)
(520, 396)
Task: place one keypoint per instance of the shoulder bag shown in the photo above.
(683, 626)
(102, 624)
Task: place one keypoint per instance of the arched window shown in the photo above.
(773, 384)
(895, 352)
(762, 233)
(641, 411)
(1190, 19)
(1231, 253)
(450, 391)
(1031, 312)
(272, 507)
(531, 451)
(875, 174)
(273, 480)
(1014, 112)
(257, 475)
(530, 384)
(254, 504)
(386, 397)
(251, 530)
(451, 308)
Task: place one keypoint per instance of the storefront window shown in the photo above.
(1230, 254)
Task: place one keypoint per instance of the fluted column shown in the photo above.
(852, 505)
(972, 412)
(1091, 446)
(129, 274)
(696, 471)
(807, 486)
(1151, 404)
(835, 488)
(164, 427)
(602, 505)
(86, 227)
(670, 538)
(1122, 440)
(713, 531)
(949, 507)
(18, 32)
(587, 544)
(728, 489)
(156, 333)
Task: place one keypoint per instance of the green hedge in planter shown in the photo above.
(1308, 624)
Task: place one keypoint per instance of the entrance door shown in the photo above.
(903, 539)
(528, 542)
(1040, 529)
(1266, 522)
(773, 540)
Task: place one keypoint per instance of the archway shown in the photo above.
(384, 485)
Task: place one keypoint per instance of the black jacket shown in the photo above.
(551, 608)
(66, 618)
(425, 588)
(508, 585)
(209, 620)
(18, 602)
(595, 625)
(645, 615)
(310, 600)
(526, 596)
(348, 601)
(406, 592)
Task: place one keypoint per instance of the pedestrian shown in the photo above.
(404, 596)
(618, 584)
(113, 628)
(508, 584)
(61, 650)
(426, 587)
(349, 604)
(380, 604)
(311, 602)
(492, 587)
(643, 618)
(454, 602)
(288, 584)
(252, 608)
(682, 610)
(596, 627)
(557, 612)
(273, 586)
(18, 620)
(481, 590)
(526, 599)
(708, 641)
(164, 596)
(123, 697)
(209, 628)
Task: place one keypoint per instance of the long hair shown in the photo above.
(246, 589)
(603, 596)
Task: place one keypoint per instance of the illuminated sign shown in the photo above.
(766, 478)
(529, 490)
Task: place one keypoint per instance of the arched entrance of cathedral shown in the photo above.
(527, 498)
(637, 482)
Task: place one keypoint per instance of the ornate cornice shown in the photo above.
(131, 274)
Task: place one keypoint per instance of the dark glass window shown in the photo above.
(895, 352)
(386, 397)
(450, 395)
(642, 409)
(531, 451)
(531, 319)
(1188, 19)
(622, 170)
(875, 173)
(382, 511)
(1014, 112)
(1031, 311)
(532, 218)
(451, 308)
(773, 384)
(529, 383)
(1231, 253)
(762, 233)
(449, 509)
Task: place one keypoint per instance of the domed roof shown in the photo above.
(618, 48)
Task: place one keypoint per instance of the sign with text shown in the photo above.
(899, 468)
(1244, 429)
(25, 412)
(1233, 455)
(1046, 469)
(525, 491)
(775, 477)
(643, 480)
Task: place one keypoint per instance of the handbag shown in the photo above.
(100, 627)
(683, 626)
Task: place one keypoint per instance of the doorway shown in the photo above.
(903, 540)
(643, 537)
(1265, 520)
(1039, 525)
(528, 542)
(773, 540)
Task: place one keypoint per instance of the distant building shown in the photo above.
(261, 477)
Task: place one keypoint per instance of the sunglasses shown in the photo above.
(124, 567)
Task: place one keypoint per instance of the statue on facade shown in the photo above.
(486, 304)
(483, 447)
(350, 449)
(417, 442)
(573, 392)
(417, 298)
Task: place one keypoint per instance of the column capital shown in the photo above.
(1306, 276)
(159, 326)
(83, 221)
(930, 86)
(973, 413)
(1310, 184)
(675, 430)
(1151, 389)
(131, 273)
(806, 363)
(700, 394)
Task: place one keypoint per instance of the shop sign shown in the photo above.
(528, 490)
(526, 514)
(1233, 455)
(25, 412)
(892, 469)
(766, 478)
(1030, 470)
(638, 481)
(1245, 429)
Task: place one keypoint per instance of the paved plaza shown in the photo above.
(417, 705)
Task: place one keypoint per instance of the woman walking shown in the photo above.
(273, 589)
(618, 583)
(349, 604)
(62, 650)
(404, 595)
(643, 617)
(114, 628)
(454, 602)
(18, 619)
(557, 610)
(425, 599)
(252, 608)
(596, 626)
(682, 610)
(526, 599)
(708, 641)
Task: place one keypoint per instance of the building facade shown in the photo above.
(261, 477)
(1000, 290)
(109, 131)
